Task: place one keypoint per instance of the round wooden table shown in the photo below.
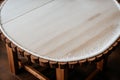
(59, 33)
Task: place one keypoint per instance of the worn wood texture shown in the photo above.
(61, 30)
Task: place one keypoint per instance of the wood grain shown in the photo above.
(61, 30)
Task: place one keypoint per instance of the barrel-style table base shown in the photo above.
(18, 58)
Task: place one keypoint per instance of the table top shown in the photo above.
(61, 30)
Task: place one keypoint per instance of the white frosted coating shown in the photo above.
(61, 30)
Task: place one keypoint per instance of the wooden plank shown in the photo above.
(13, 60)
(35, 72)
(61, 74)
(72, 64)
(53, 64)
(91, 59)
(99, 57)
(34, 59)
(81, 62)
(28, 56)
(93, 74)
(20, 51)
(100, 65)
(43, 62)
(0, 34)
(3, 37)
(8, 42)
(63, 65)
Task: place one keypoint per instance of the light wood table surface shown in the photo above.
(61, 30)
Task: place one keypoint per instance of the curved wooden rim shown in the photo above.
(46, 62)
(55, 64)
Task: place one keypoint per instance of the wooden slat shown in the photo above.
(105, 52)
(34, 59)
(0, 34)
(53, 64)
(99, 57)
(14, 47)
(72, 64)
(81, 62)
(3, 37)
(91, 59)
(92, 75)
(43, 62)
(61, 74)
(115, 44)
(8, 42)
(13, 60)
(63, 65)
(35, 72)
(28, 56)
(100, 65)
(20, 51)
(110, 48)
(119, 40)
